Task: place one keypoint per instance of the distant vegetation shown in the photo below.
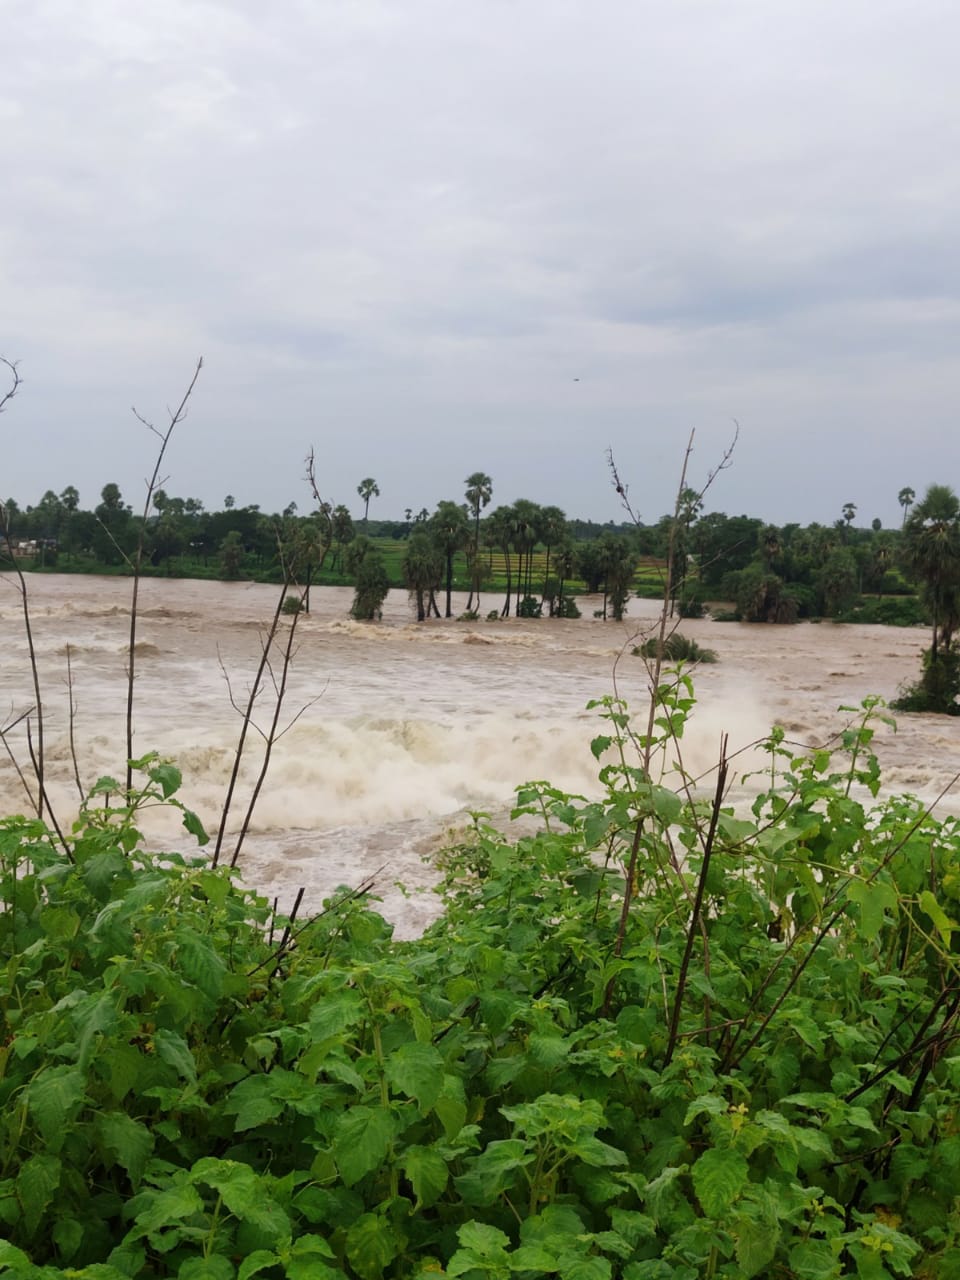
(538, 558)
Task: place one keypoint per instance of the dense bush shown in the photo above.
(938, 688)
(900, 611)
(675, 648)
(748, 1071)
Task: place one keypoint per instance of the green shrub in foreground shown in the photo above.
(752, 1073)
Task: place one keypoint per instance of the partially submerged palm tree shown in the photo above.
(932, 537)
(478, 493)
(422, 570)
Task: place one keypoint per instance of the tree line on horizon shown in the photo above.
(539, 557)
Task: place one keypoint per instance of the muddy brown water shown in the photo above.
(413, 725)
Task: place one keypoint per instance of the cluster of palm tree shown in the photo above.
(539, 556)
(932, 550)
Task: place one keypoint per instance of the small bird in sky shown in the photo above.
(576, 379)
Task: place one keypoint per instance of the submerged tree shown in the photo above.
(422, 570)
(365, 564)
(932, 551)
(478, 493)
(448, 528)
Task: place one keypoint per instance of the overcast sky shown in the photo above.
(429, 238)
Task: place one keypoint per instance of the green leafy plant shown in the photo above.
(675, 648)
(747, 1065)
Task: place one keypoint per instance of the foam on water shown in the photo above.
(413, 724)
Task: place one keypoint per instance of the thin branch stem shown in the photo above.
(164, 436)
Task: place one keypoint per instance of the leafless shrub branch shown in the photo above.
(176, 417)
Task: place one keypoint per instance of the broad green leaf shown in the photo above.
(815, 1260)
(371, 1245)
(600, 744)
(128, 1140)
(416, 1070)
(59, 923)
(942, 922)
(311, 1269)
(215, 1267)
(254, 1102)
(167, 777)
(37, 1183)
(633, 1226)
(427, 1173)
(580, 1267)
(661, 1192)
(156, 1209)
(200, 963)
(310, 1246)
(333, 1014)
(124, 1066)
(195, 827)
(710, 1104)
(718, 1178)
(12, 1257)
(756, 1244)
(487, 1241)
(451, 1106)
(858, 1118)
(68, 1235)
(53, 1099)
(666, 804)
(596, 1154)
(241, 1189)
(95, 1019)
(533, 1257)
(259, 1260)
(547, 1050)
(636, 1024)
(493, 1171)
(874, 899)
(175, 1052)
(363, 1137)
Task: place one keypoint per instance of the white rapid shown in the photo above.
(412, 725)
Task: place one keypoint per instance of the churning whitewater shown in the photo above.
(406, 727)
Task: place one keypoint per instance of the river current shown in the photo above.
(405, 726)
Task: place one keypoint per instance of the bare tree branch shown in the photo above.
(176, 417)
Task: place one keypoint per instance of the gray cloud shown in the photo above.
(400, 232)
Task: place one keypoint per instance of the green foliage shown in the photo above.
(372, 584)
(938, 688)
(691, 602)
(676, 648)
(761, 596)
(901, 611)
(753, 1072)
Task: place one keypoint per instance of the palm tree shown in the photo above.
(498, 532)
(932, 535)
(367, 489)
(343, 531)
(422, 569)
(478, 493)
(849, 511)
(448, 526)
(553, 528)
(526, 532)
(564, 562)
(905, 497)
